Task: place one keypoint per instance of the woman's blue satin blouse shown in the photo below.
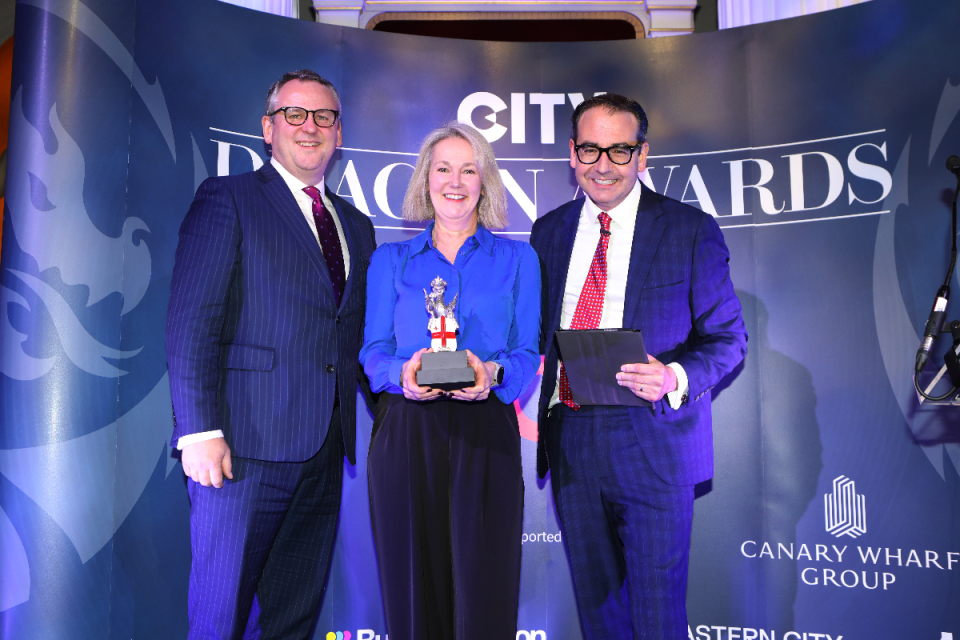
(498, 308)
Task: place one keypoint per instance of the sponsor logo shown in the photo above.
(828, 571)
(715, 632)
(845, 512)
(370, 634)
(362, 634)
(822, 565)
(548, 102)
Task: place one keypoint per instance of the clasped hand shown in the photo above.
(483, 371)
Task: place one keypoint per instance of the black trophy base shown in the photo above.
(445, 370)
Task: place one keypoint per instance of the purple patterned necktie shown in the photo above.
(329, 242)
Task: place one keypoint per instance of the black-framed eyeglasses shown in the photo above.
(618, 153)
(296, 116)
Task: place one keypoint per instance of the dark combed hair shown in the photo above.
(305, 75)
(613, 103)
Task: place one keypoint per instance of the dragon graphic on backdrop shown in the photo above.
(48, 230)
(49, 220)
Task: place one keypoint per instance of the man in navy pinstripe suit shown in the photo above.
(623, 477)
(263, 334)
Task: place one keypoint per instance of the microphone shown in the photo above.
(934, 326)
(953, 165)
(952, 357)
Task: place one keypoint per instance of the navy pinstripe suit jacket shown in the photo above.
(255, 342)
(680, 294)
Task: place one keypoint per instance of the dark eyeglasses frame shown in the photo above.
(336, 116)
(602, 150)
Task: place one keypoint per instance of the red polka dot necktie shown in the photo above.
(329, 242)
(590, 305)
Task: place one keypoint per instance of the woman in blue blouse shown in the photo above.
(446, 492)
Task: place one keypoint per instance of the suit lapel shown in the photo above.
(562, 241)
(278, 194)
(647, 233)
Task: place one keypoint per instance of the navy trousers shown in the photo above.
(626, 531)
(446, 499)
(262, 545)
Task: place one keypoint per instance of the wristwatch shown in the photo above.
(498, 376)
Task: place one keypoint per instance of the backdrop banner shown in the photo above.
(817, 142)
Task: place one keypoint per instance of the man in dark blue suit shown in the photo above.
(623, 477)
(263, 335)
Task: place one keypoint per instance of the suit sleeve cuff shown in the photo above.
(193, 438)
(679, 396)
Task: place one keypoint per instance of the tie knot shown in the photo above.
(604, 220)
(313, 192)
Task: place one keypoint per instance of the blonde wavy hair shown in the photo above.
(492, 207)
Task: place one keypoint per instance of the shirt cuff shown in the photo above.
(676, 398)
(193, 438)
(395, 374)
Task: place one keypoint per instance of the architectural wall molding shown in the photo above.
(286, 8)
(656, 17)
(738, 13)
(509, 15)
(650, 18)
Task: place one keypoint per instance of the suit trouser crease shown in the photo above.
(446, 501)
(627, 532)
(262, 545)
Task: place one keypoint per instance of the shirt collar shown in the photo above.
(484, 239)
(425, 239)
(624, 214)
(293, 183)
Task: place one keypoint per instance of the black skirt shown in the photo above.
(446, 499)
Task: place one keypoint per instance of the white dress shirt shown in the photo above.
(623, 219)
(305, 203)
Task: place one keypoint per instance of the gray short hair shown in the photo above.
(304, 75)
(492, 208)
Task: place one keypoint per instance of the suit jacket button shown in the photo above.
(331, 368)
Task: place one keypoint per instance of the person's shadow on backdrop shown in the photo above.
(768, 461)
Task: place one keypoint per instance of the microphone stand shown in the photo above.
(952, 358)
